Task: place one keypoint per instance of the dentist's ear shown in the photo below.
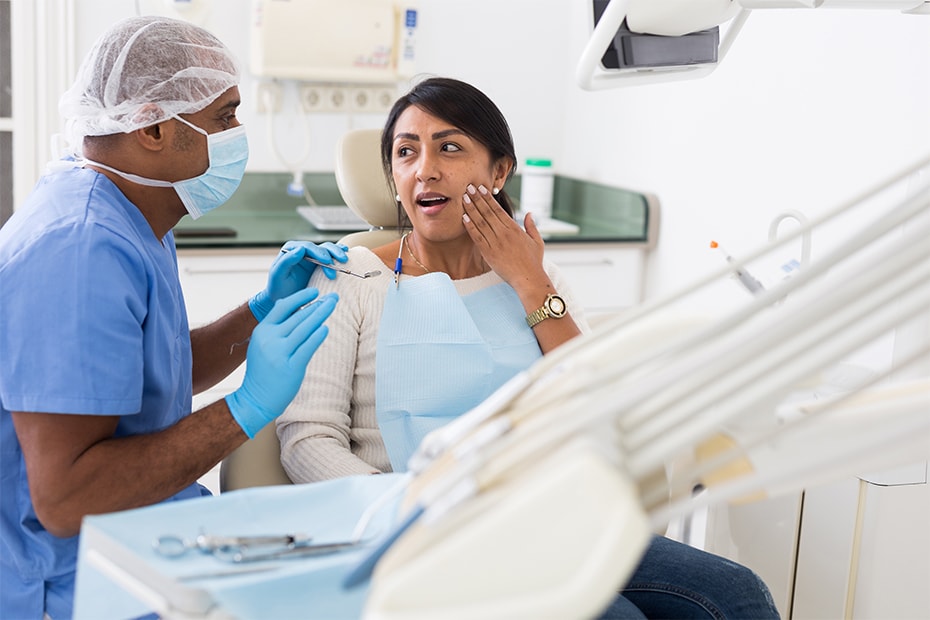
(151, 135)
(151, 138)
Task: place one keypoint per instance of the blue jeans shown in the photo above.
(674, 580)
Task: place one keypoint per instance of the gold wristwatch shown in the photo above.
(554, 307)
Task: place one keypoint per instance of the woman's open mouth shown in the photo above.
(431, 204)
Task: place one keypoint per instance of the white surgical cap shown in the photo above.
(142, 71)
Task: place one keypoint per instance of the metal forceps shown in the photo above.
(171, 546)
(238, 549)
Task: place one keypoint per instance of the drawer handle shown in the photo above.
(585, 263)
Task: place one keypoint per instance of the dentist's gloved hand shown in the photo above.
(276, 361)
(289, 272)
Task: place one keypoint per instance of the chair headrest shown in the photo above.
(360, 178)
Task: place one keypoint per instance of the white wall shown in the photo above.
(809, 107)
(490, 43)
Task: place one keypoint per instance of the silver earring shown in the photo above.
(496, 191)
(397, 197)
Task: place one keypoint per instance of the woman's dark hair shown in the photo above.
(463, 106)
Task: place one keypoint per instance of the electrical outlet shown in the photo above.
(324, 98)
(383, 99)
(318, 98)
(361, 99)
(268, 96)
(313, 98)
(337, 99)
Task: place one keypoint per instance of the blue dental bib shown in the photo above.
(441, 353)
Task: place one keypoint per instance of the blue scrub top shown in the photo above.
(92, 322)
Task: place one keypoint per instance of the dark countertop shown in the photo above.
(261, 214)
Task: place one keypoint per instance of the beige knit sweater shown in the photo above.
(330, 428)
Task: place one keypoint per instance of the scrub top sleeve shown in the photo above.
(73, 339)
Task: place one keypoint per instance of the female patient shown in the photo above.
(471, 302)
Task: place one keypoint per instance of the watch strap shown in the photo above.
(554, 306)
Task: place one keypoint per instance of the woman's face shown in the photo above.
(432, 164)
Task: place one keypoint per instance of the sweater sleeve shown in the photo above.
(330, 429)
(564, 289)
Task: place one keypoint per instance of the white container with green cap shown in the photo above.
(536, 186)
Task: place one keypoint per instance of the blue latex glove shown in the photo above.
(276, 361)
(289, 273)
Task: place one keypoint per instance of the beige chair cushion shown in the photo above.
(360, 178)
(256, 463)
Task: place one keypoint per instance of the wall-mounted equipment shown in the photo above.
(358, 41)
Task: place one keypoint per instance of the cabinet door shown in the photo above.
(604, 278)
(217, 281)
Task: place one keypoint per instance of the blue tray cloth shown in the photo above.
(121, 575)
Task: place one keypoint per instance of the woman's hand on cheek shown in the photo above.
(512, 253)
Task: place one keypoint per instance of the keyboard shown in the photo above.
(337, 217)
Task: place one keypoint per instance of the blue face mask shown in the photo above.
(228, 152)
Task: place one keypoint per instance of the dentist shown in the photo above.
(98, 362)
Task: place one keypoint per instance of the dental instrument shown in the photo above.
(367, 274)
(745, 278)
(240, 549)
(250, 554)
(171, 546)
(334, 267)
(218, 574)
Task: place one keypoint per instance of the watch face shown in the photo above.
(556, 305)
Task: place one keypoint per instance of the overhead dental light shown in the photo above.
(652, 41)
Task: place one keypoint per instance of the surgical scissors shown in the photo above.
(238, 549)
(172, 546)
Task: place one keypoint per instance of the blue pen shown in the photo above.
(399, 263)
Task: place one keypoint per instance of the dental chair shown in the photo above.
(361, 182)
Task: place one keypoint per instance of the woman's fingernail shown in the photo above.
(470, 188)
(467, 199)
(465, 218)
(483, 189)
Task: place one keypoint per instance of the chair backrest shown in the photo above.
(360, 179)
(361, 182)
(256, 463)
